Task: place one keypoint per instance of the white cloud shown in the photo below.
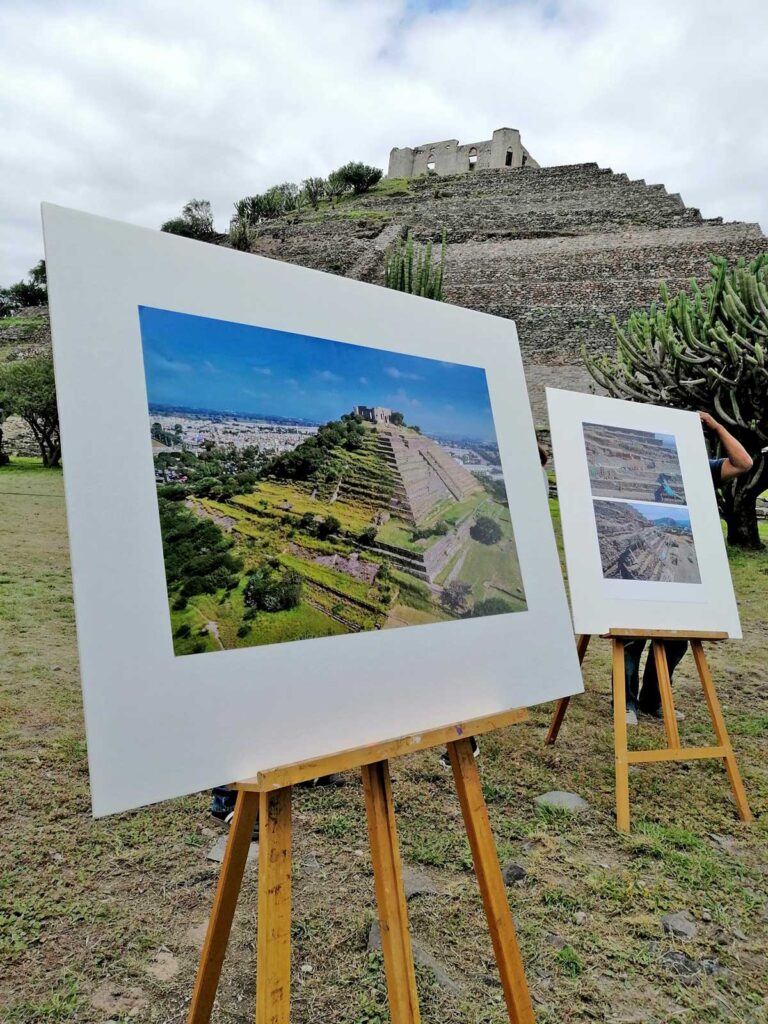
(130, 109)
(363, 380)
(395, 374)
(263, 370)
(328, 376)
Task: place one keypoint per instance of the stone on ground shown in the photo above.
(421, 956)
(564, 801)
(216, 852)
(417, 883)
(680, 924)
(512, 873)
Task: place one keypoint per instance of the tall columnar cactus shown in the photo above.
(424, 278)
(705, 349)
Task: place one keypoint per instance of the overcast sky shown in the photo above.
(131, 107)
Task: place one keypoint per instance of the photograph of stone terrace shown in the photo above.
(633, 464)
(640, 542)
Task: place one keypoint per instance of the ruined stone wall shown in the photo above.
(559, 250)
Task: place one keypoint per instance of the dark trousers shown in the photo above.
(648, 699)
(223, 799)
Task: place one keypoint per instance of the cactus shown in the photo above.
(705, 349)
(425, 279)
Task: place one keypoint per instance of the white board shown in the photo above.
(140, 318)
(643, 538)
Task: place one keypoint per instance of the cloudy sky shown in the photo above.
(131, 107)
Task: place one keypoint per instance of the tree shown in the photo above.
(486, 530)
(454, 597)
(705, 350)
(29, 391)
(335, 186)
(397, 418)
(25, 293)
(491, 606)
(271, 591)
(409, 268)
(196, 221)
(198, 556)
(359, 176)
(314, 190)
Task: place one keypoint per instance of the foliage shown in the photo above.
(198, 557)
(491, 606)
(314, 458)
(409, 268)
(335, 185)
(196, 221)
(439, 529)
(359, 177)
(705, 350)
(25, 293)
(486, 530)
(397, 419)
(454, 596)
(270, 589)
(28, 390)
(314, 190)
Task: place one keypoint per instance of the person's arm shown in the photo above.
(738, 460)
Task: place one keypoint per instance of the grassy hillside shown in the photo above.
(90, 909)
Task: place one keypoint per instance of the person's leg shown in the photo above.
(650, 698)
(223, 801)
(633, 650)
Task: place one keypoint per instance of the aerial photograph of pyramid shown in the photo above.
(646, 542)
(310, 488)
(633, 464)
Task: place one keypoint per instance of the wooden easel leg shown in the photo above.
(492, 888)
(665, 690)
(620, 737)
(390, 895)
(220, 923)
(582, 642)
(273, 945)
(721, 732)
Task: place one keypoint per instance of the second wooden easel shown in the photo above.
(268, 795)
(673, 751)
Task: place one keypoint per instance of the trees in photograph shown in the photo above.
(271, 590)
(198, 556)
(705, 350)
(486, 531)
(28, 390)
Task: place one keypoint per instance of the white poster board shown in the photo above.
(294, 647)
(643, 538)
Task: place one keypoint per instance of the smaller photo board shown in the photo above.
(643, 539)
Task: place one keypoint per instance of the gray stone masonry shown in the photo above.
(504, 150)
(559, 250)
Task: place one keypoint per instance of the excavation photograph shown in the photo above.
(310, 488)
(633, 464)
(647, 542)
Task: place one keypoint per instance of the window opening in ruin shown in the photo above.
(472, 158)
(525, 160)
(508, 158)
(431, 164)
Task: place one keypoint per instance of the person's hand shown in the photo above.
(708, 421)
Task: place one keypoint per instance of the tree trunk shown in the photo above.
(739, 508)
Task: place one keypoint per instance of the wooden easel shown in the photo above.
(673, 751)
(269, 796)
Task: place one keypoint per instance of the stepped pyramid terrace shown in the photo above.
(424, 474)
(635, 547)
(633, 464)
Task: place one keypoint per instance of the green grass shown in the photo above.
(84, 901)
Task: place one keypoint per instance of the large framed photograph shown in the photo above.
(643, 540)
(305, 514)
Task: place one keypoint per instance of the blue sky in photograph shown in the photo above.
(679, 513)
(197, 362)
